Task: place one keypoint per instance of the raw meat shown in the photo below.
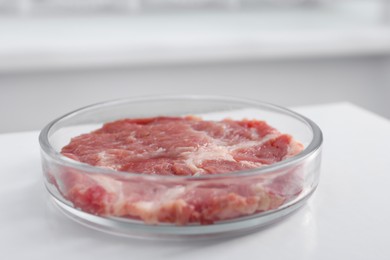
(180, 146)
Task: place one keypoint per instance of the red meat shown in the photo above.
(185, 146)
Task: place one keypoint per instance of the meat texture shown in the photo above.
(180, 146)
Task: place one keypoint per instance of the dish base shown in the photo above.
(137, 229)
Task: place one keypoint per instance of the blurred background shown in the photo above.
(59, 55)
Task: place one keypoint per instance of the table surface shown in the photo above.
(346, 218)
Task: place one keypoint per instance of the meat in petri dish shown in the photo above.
(181, 146)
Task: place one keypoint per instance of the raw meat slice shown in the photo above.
(180, 146)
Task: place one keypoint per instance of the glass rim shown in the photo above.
(310, 149)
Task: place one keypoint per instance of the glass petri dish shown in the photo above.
(241, 201)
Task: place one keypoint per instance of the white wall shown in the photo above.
(29, 100)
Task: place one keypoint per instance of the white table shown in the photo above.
(347, 218)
